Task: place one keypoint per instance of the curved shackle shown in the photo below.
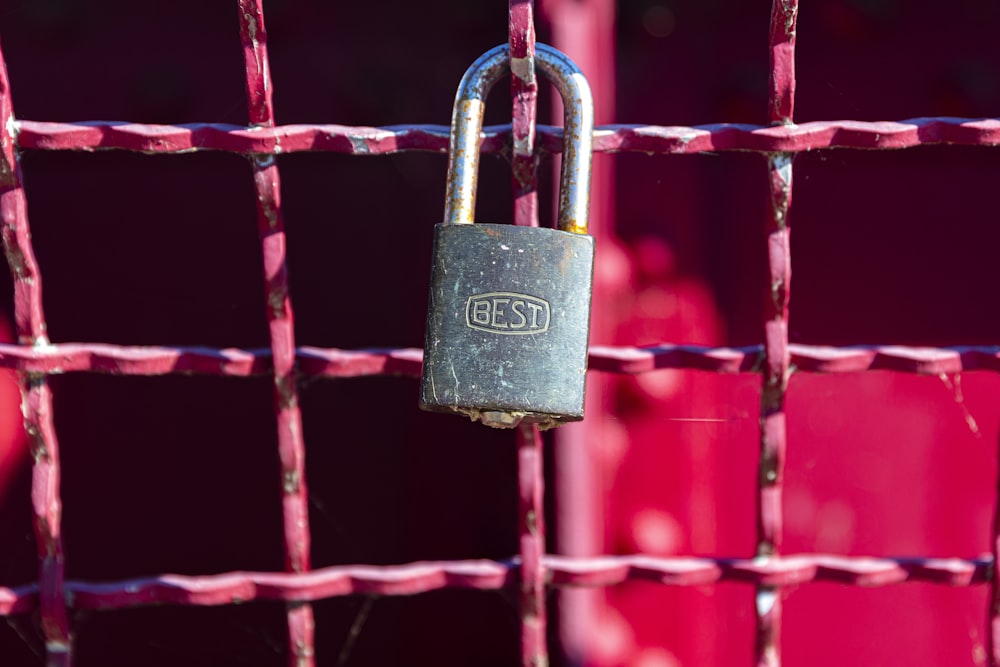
(467, 125)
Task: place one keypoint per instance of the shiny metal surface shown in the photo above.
(467, 124)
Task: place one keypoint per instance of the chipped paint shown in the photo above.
(261, 65)
(765, 600)
(787, 137)
(782, 164)
(791, 11)
(359, 144)
(290, 481)
(523, 69)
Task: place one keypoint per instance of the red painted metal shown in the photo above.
(781, 93)
(36, 394)
(531, 476)
(562, 571)
(532, 572)
(280, 318)
(993, 635)
(524, 91)
(777, 363)
(654, 139)
(777, 358)
(531, 525)
(59, 358)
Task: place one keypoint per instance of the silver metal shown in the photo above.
(508, 315)
(467, 125)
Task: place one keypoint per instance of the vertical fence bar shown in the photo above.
(773, 436)
(531, 526)
(784, 15)
(36, 396)
(291, 445)
(993, 612)
(776, 371)
(531, 511)
(524, 90)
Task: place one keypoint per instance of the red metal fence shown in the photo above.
(56, 599)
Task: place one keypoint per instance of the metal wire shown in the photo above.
(777, 357)
(533, 571)
(650, 139)
(524, 111)
(530, 472)
(36, 396)
(58, 358)
(281, 323)
(564, 571)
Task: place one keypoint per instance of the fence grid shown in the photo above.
(531, 571)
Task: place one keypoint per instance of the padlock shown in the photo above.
(509, 307)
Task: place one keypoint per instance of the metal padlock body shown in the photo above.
(507, 320)
(509, 307)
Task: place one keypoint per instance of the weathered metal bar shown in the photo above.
(777, 356)
(36, 397)
(784, 16)
(59, 358)
(280, 318)
(777, 368)
(993, 606)
(422, 577)
(524, 178)
(531, 528)
(655, 139)
(524, 91)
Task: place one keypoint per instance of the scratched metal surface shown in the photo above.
(313, 362)
(530, 446)
(36, 393)
(777, 357)
(355, 140)
(281, 326)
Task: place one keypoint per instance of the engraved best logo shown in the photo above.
(507, 313)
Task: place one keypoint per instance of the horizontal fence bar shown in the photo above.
(61, 358)
(353, 140)
(415, 578)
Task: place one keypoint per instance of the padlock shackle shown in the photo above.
(467, 125)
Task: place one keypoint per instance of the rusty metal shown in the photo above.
(619, 138)
(531, 528)
(314, 362)
(777, 357)
(531, 476)
(524, 91)
(478, 269)
(467, 124)
(281, 323)
(781, 91)
(769, 571)
(36, 402)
